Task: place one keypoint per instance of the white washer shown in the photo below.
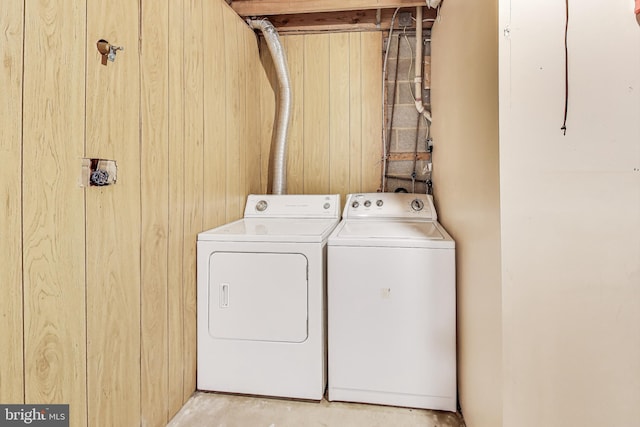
(261, 298)
(392, 304)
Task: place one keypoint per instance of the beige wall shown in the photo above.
(98, 284)
(466, 184)
(335, 137)
(570, 214)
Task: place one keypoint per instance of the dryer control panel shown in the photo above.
(292, 206)
(390, 205)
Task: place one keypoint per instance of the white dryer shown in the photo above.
(392, 304)
(261, 298)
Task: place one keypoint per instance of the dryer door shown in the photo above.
(258, 296)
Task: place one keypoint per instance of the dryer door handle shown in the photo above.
(224, 295)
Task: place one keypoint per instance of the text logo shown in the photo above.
(34, 415)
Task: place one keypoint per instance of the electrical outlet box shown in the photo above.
(404, 19)
(98, 172)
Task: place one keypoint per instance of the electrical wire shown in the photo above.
(385, 156)
(566, 70)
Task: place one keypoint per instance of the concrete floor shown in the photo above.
(225, 410)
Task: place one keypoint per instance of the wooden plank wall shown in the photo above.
(193, 177)
(155, 178)
(335, 134)
(176, 211)
(11, 38)
(108, 323)
(113, 217)
(55, 339)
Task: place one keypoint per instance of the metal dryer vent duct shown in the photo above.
(284, 107)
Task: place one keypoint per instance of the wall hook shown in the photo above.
(107, 50)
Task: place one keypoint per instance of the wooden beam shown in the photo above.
(409, 156)
(357, 20)
(285, 7)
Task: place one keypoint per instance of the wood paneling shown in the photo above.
(215, 125)
(154, 169)
(113, 218)
(339, 113)
(252, 114)
(355, 113)
(316, 114)
(294, 49)
(53, 206)
(235, 113)
(175, 261)
(335, 134)
(193, 176)
(371, 110)
(11, 339)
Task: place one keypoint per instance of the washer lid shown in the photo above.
(396, 233)
(297, 230)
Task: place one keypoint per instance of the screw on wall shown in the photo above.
(107, 50)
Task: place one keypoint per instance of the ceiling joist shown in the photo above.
(289, 7)
(359, 20)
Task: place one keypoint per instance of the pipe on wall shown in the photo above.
(418, 77)
(284, 104)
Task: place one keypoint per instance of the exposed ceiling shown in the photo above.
(329, 15)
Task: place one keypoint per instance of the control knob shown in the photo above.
(417, 205)
(261, 206)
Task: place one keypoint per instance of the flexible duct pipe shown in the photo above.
(418, 79)
(284, 104)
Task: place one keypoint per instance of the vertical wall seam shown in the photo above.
(184, 189)
(182, 114)
(226, 121)
(331, 100)
(304, 78)
(168, 218)
(22, 239)
(203, 113)
(349, 153)
(362, 157)
(141, 212)
(86, 243)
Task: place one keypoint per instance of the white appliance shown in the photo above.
(392, 304)
(261, 298)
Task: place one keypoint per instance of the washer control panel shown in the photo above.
(292, 206)
(390, 205)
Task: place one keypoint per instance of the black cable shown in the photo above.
(415, 152)
(566, 70)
